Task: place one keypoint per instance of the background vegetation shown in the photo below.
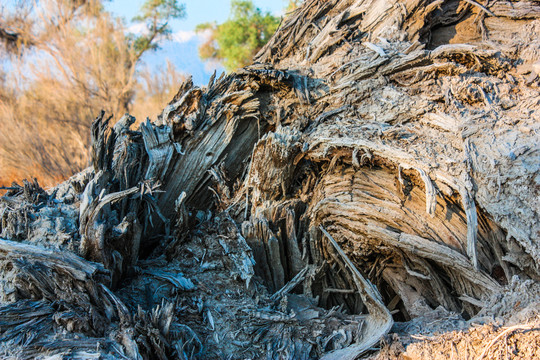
(237, 41)
(65, 60)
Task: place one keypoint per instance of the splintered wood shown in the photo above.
(374, 171)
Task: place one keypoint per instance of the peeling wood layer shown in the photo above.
(377, 163)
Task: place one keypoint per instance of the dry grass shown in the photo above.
(45, 132)
(155, 89)
(54, 90)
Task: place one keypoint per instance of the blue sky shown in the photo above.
(197, 11)
(181, 50)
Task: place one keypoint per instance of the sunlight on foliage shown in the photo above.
(237, 40)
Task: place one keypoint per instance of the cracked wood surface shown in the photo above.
(376, 158)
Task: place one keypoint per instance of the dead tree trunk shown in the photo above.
(378, 160)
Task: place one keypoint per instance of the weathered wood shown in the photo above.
(32, 273)
(379, 320)
(377, 156)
